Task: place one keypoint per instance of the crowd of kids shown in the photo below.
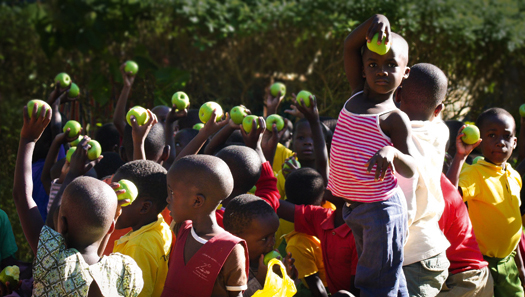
(369, 204)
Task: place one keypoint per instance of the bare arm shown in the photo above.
(220, 138)
(521, 141)
(119, 117)
(316, 285)
(462, 152)
(286, 211)
(172, 116)
(139, 134)
(51, 158)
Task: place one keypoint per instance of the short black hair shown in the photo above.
(304, 186)
(491, 113)
(327, 133)
(150, 179)
(108, 137)
(242, 210)
(153, 144)
(108, 165)
(189, 120)
(426, 87)
(245, 166)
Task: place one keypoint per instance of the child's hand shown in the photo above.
(34, 127)
(272, 103)
(463, 149)
(115, 186)
(290, 165)
(271, 139)
(63, 138)
(58, 95)
(291, 270)
(139, 133)
(310, 113)
(212, 126)
(8, 288)
(63, 172)
(383, 159)
(80, 164)
(127, 78)
(261, 271)
(381, 25)
(294, 111)
(254, 138)
(175, 114)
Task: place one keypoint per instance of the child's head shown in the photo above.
(245, 166)
(154, 144)
(304, 186)
(87, 212)
(183, 137)
(150, 179)
(108, 165)
(196, 186)
(302, 142)
(254, 220)
(423, 92)
(498, 131)
(384, 73)
(161, 111)
(56, 170)
(108, 137)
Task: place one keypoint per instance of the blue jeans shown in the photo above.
(380, 229)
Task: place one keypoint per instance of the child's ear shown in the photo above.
(198, 201)
(62, 226)
(407, 72)
(146, 207)
(122, 152)
(438, 109)
(111, 227)
(165, 153)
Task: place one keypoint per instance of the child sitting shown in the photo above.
(491, 189)
(205, 260)
(149, 242)
(373, 135)
(67, 260)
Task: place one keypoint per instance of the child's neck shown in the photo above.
(206, 225)
(338, 219)
(144, 221)
(307, 163)
(88, 252)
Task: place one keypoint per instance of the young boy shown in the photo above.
(372, 133)
(206, 260)
(67, 260)
(149, 242)
(491, 189)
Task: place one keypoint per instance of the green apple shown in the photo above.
(252, 190)
(131, 191)
(288, 166)
(39, 104)
(95, 150)
(180, 100)
(140, 113)
(305, 95)
(76, 141)
(274, 118)
(471, 134)
(73, 91)
(237, 114)
(198, 126)
(74, 128)
(380, 49)
(477, 159)
(11, 275)
(270, 255)
(247, 123)
(63, 79)
(207, 109)
(70, 152)
(131, 67)
(276, 88)
(522, 110)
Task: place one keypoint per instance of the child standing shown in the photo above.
(372, 133)
(491, 189)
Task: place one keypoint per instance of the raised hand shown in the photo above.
(381, 25)
(311, 112)
(463, 149)
(254, 138)
(127, 78)
(34, 127)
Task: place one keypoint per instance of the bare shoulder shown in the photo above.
(394, 121)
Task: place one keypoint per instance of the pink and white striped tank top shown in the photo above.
(356, 139)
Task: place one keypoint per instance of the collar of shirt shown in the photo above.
(146, 228)
(328, 224)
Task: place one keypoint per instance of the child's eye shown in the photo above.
(492, 135)
(372, 65)
(264, 239)
(177, 144)
(393, 65)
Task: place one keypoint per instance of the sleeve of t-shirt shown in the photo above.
(307, 218)
(7, 238)
(147, 264)
(267, 186)
(467, 183)
(234, 270)
(304, 258)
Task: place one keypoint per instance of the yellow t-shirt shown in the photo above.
(493, 197)
(306, 250)
(150, 248)
(281, 154)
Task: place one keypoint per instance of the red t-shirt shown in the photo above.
(337, 244)
(463, 252)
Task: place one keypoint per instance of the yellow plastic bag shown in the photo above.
(274, 285)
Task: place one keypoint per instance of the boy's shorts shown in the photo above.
(426, 277)
(506, 276)
(470, 283)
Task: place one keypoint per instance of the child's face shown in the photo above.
(182, 138)
(384, 73)
(260, 236)
(303, 143)
(178, 199)
(498, 137)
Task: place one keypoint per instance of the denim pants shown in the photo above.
(380, 229)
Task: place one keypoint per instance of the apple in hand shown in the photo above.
(180, 100)
(237, 114)
(63, 79)
(70, 152)
(76, 141)
(277, 119)
(74, 128)
(39, 103)
(11, 275)
(131, 67)
(305, 95)
(140, 113)
(522, 110)
(270, 255)
(73, 91)
(288, 166)
(198, 126)
(207, 109)
(94, 151)
(131, 191)
(471, 134)
(477, 159)
(247, 123)
(380, 49)
(276, 88)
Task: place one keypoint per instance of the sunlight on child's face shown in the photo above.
(177, 198)
(498, 139)
(260, 235)
(384, 73)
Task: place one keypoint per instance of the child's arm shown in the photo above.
(286, 211)
(220, 137)
(119, 117)
(172, 116)
(316, 286)
(462, 152)
(139, 134)
(26, 207)
(355, 41)
(56, 97)
(521, 148)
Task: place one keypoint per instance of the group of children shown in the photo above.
(375, 215)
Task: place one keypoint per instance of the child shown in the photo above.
(372, 133)
(150, 240)
(491, 189)
(255, 221)
(66, 260)
(205, 260)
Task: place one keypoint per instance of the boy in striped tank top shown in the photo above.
(370, 141)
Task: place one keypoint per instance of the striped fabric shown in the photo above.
(356, 139)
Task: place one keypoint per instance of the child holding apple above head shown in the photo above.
(372, 138)
(66, 259)
(119, 116)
